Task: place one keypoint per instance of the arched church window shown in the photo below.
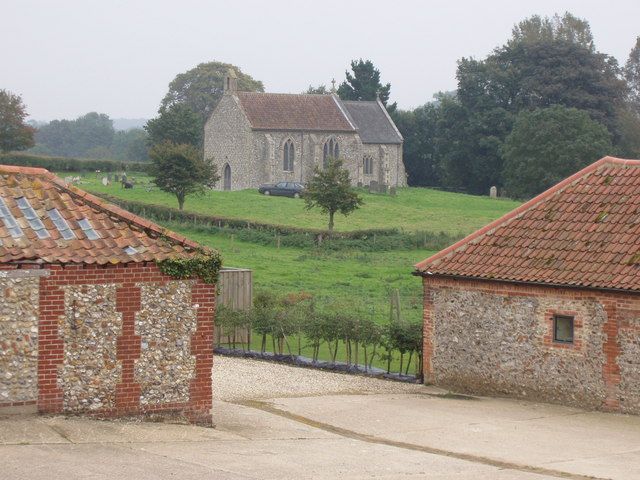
(227, 177)
(367, 165)
(330, 150)
(288, 156)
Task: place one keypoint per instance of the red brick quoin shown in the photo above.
(127, 278)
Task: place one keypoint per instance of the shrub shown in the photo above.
(63, 164)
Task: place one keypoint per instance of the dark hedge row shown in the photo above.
(63, 164)
(284, 236)
(160, 212)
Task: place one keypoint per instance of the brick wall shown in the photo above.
(496, 338)
(124, 340)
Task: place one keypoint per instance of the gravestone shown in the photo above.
(392, 191)
(493, 192)
(105, 181)
(373, 187)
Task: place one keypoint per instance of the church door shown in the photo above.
(227, 177)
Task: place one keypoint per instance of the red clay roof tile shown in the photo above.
(116, 227)
(284, 111)
(584, 231)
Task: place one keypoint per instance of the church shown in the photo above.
(255, 138)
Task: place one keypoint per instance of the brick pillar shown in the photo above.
(427, 333)
(611, 369)
(50, 347)
(200, 394)
(128, 391)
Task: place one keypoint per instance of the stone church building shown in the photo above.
(256, 138)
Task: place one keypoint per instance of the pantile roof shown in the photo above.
(284, 111)
(583, 232)
(42, 219)
(372, 122)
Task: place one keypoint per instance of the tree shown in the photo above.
(319, 90)
(177, 124)
(331, 191)
(91, 131)
(201, 87)
(468, 144)
(180, 169)
(131, 144)
(88, 135)
(364, 84)
(15, 134)
(567, 28)
(549, 144)
(547, 62)
(632, 76)
(419, 130)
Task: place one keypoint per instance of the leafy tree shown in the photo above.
(319, 90)
(88, 135)
(628, 144)
(91, 131)
(632, 76)
(180, 169)
(364, 84)
(201, 87)
(131, 144)
(419, 130)
(549, 144)
(526, 76)
(331, 191)
(469, 145)
(567, 28)
(15, 134)
(547, 62)
(177, 124)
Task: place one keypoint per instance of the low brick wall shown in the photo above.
(496, 338)
(125, 340)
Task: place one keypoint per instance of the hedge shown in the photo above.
(160, 212)
(372, 240)
(63, 164)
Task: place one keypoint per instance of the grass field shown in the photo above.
(363, 281)
(413, 209)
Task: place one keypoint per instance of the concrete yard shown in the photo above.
(280, 422)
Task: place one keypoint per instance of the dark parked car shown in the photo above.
(286, 189)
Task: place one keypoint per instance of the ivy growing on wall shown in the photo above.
(205, 264)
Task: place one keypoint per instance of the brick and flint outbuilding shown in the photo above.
(544, 303)
(88, 321)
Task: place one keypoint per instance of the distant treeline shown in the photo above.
(91, 136)
(64, 164)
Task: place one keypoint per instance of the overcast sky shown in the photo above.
(67, 58)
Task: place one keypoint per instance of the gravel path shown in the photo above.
(244, 379)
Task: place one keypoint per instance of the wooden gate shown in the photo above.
(235, 290)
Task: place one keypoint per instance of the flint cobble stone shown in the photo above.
(18, 339)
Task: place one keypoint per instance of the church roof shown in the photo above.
(583, 232)
(372, 122)
(284, 111)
